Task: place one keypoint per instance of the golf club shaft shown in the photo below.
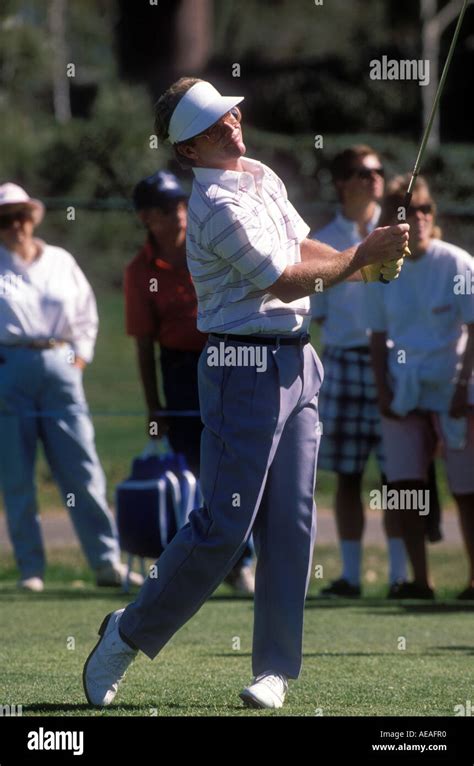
(426, 134)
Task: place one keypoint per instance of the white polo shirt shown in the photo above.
(344, 306)
(242, 233)
(424, 316)
(47, 298)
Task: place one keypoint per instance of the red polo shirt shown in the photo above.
(160, 301)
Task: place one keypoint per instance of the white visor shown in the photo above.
(200, 107)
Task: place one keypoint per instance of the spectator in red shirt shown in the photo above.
(161, 307)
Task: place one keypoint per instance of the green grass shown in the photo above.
(112, 387)
(352, 663)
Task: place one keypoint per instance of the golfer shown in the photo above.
(253, 268)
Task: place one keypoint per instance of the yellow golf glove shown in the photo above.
(388, 271)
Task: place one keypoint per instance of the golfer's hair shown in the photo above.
(343, 162)
(164, 109)
(395, 198)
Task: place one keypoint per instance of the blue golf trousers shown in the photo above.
(258, 460)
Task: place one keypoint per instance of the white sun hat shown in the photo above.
(14, 197)
(199, 108)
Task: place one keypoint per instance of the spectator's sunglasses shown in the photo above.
(7, 220)
(217, 131)
(426, 209)
(366, 173)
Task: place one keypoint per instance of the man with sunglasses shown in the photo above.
(161, 307)
(348, 401)
(253, 268)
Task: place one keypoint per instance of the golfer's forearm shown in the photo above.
(312, 249)
(147, 368)
(321, 267)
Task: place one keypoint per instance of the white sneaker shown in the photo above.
(32, 584)
(107, 664)
(114, 575)
(268, 690)
(242, 580)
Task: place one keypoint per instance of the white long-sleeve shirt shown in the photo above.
(47, 298)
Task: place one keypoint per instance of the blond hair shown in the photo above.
(164, 109)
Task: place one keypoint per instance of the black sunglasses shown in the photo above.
(365, 173)
(426, 209)
(6, 221)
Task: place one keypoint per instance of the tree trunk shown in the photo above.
(431, 36)
(193, 36)
(57, 26)
(434, 24)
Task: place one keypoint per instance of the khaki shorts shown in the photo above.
(411, 443)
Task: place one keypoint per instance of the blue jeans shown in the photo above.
(42, 399)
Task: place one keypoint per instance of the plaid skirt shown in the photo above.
(348, 412)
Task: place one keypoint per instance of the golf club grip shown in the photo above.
(406, 205)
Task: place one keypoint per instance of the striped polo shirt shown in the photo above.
(242, 233)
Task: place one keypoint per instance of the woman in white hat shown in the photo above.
(48, 327)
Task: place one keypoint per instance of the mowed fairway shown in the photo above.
(353, 664)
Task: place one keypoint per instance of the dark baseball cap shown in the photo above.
(158, 190)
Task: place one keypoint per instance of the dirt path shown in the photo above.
(59, 533)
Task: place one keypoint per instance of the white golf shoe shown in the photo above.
(268, 690)
(108, 662)
(242, 580)
(31, 584)
(114, 575)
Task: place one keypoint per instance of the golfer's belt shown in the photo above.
(264, 340)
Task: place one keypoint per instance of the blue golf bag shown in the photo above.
(154, 502)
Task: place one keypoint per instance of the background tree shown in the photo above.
(57, 27)
(435, 22)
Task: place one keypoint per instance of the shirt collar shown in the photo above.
(351, 227)
(152, 252)
(16, 259)
(233, 180)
